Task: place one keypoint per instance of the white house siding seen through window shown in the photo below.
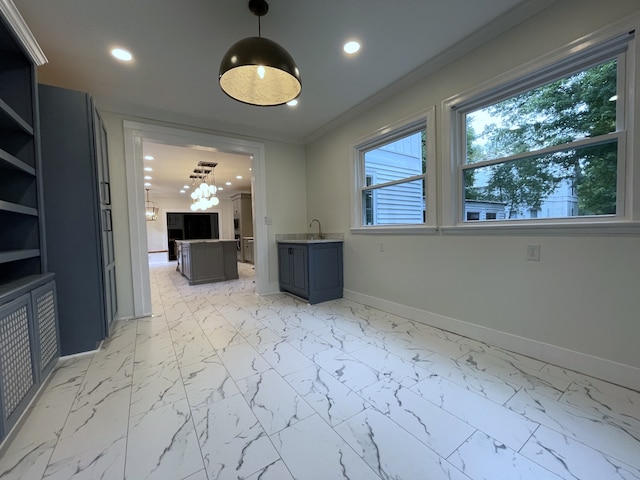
(394, 181)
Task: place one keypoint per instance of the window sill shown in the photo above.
(612, 228)
(546, 228)
(395, 230)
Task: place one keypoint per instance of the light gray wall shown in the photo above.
(582, 295)
(285, 178)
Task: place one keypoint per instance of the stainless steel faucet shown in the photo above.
(319, 227)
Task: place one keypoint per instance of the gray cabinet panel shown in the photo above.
(79, 220)
(208, 261)
(312, 271)
(29, 347)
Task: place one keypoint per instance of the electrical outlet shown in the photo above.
(533, 253)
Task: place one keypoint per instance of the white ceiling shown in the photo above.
(173, 165)
(178, 45)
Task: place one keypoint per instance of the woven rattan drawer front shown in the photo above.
(15, 354)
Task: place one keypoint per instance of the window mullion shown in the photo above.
(583, 142)
(395, 182)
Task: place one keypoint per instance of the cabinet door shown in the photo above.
(186, 261)
(17, 372)
(299, 271)
(284, 267)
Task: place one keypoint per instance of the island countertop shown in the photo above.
(204, 240)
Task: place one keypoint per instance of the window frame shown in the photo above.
(382, 136)
(619, 42)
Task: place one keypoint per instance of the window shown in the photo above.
(550, 145)
(391, 168)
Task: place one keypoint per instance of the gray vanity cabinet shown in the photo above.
(79, 223)
(312, 271)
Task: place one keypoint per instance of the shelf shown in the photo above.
(9, 161)
(15, 208)
(14, 289)
(8, 113)
(13, 255)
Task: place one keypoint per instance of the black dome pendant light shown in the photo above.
(258, 71)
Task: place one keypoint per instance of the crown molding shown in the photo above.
(21, 31)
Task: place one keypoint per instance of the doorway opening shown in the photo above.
(134, 135)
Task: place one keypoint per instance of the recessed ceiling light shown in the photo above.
(122, 54)
(148, 169)
(148, 177)
(182, 191)
(186, 187)
(220, 188)
(351, 47)
(148, 157)
(293, 102)
(147, 184)
(228, 183)
(239, 177)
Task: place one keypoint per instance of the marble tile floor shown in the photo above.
(223, 384)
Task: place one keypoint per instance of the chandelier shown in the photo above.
(204, 195)
(150, 209)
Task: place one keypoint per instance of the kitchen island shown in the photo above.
(207, 261)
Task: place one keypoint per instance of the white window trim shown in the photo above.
(451, 182)
(359, 177)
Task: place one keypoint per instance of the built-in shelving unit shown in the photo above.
(29, 341)
(20, 206)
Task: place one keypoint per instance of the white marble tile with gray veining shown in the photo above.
(155, 387)
(482, 457)
(104, 463)
(496, 420)
(391, 366)
(472, 379)
(354, 373)
(625, 413)
(274, 471)
(438, 429)
(516, 373)
(260, 335)
(232, 441)
(273, 401)
(312, 450)
(98, 417)
(223, 336)
(330, 398)
(283, 357)
(391, 451)
(242, 360)
(571, 459)
(340, 339)
(163, 443)
(194, 349)
(207, 383)
(305, 320)
(305, 342)
(626, 395)
(601, 433)
(28, 462)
